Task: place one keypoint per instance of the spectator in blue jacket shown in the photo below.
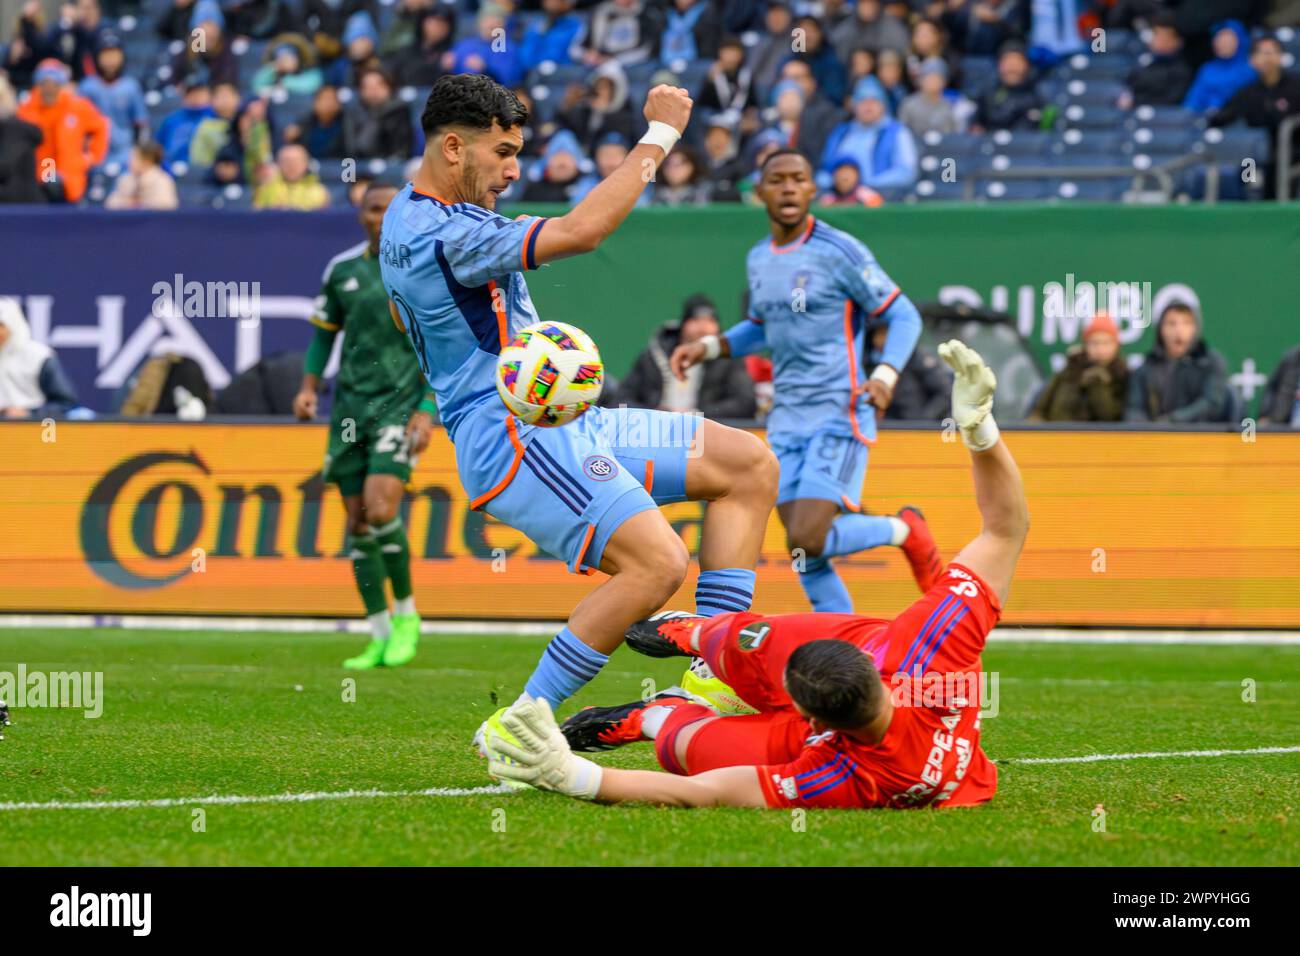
(177, 127)
(1230, 70)
(883, 147)
(492, 52)
(557, 37)
(118, 97)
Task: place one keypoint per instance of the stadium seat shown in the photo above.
(1081, 157)
(1093, 116)
(1158, 117)
(1235, 143)
(1163, 140)
(192, 195)
(231, 197)
(1075, 141)
(1123, 41)
(930, 190)
(1093, 93)
(951, 144)
(1011, 190)
(1018, 143)
(1089, 190)
(1111, 65)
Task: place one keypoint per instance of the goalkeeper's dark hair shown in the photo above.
(471, 100)
(836, 683)
(783, 151)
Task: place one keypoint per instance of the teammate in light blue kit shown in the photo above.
(811, 290)
(586, 492)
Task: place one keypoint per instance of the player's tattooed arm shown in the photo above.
(588, 224)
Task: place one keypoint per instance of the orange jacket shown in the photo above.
(74, 135)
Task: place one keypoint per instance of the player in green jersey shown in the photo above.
(382, 417)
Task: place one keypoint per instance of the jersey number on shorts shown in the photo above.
(394, 438)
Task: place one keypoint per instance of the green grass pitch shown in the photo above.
(189, 714)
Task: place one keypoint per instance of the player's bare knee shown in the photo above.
(756, 472)
(662, 568)
(380, 512)
(808, 542)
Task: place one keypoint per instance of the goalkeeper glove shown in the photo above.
(972, 395)
(541, 757)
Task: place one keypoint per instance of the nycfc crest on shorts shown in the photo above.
(599, 468)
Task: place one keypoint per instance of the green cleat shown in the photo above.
(699, 681)
(403, 640)
(372, 656)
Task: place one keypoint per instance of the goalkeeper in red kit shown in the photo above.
(832, 728)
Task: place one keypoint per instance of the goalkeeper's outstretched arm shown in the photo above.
(724, 787)
(537, 754)
(999, 492)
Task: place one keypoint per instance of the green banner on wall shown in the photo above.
(1240, 263)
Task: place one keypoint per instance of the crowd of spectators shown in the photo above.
(225, 87)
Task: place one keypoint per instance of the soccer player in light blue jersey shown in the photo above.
(586, 492)
(812, 289)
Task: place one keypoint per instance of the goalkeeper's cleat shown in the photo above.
(604, 728)
(919, 548)
(372, 656)
(403, 640)
(490, 730)
(700, 682)
(666, 634)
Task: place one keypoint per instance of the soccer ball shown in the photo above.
(550, 374)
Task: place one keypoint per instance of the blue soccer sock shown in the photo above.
(825, 590)
(724, 590)
(566, 666)
(852, 533)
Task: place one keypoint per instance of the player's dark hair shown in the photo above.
(381, 182)
(473, 100)
(783, 151)
(834, 682)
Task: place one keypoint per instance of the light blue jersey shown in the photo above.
(808, 304)
(455, 272)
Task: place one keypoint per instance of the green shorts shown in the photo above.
(366, 440)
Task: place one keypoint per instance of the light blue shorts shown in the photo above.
(827, 465)
(569, 488)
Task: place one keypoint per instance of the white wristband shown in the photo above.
(662, 135)
(585, 778)
(983, 436)
(886, 374)
(712, 347)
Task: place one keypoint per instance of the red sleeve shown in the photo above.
(822, 777)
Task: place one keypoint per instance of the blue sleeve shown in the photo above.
(746, 337)
(880, 297)
(484, 246)
(904, 331)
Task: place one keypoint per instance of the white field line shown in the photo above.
(1007, 635)
(1101, 758)
(227, 800)
(313, 797)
